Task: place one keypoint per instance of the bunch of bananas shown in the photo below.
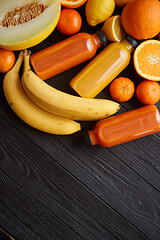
(46, 108)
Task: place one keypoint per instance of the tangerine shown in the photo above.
(69, 22)
(148, 92)
(121, 3)
(140, 18)
(122, 89)
(7, 60)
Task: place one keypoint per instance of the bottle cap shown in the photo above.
(102, 37)
(132, 41)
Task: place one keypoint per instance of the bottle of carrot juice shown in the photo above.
(67, 53)
(125, 127)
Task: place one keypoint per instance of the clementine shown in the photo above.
(141, 18)
(69, 22)
(122, 89)
(121, 3)
(148, 92)
(146, 59)
(7, 60)
(72, 3)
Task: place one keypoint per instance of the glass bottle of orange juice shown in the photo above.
(67, 53)
(112, 60)
(125, 127)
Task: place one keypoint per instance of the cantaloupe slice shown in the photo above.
(32, 32)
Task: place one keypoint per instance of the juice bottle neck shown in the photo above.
(129, 43)
(99, 39)
(90, 137)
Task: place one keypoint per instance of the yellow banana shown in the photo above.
(28, 111)
(63, 104)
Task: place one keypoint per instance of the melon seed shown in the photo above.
(22, 14)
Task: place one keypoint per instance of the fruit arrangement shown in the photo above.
(131, 35)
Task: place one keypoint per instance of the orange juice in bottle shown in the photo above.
(67, 53)
(125, 127)
(103, 68)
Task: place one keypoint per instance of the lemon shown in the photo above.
(97, 11)
(113, 29)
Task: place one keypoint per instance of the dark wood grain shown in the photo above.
(4, 235)
(59, 192)
(101, 174)
(31, 217)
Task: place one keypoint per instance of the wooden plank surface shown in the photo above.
(57, 187)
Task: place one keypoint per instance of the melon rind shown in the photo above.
(33, 32)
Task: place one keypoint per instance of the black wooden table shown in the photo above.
(57, 187)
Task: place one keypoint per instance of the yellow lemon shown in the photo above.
(113, 29)
(97, 11)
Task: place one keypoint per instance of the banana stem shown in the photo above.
(26, 54)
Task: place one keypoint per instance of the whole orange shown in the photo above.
(141, 18)
(148, 92)
(122, 89)
(7, 60)
(69, 22)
